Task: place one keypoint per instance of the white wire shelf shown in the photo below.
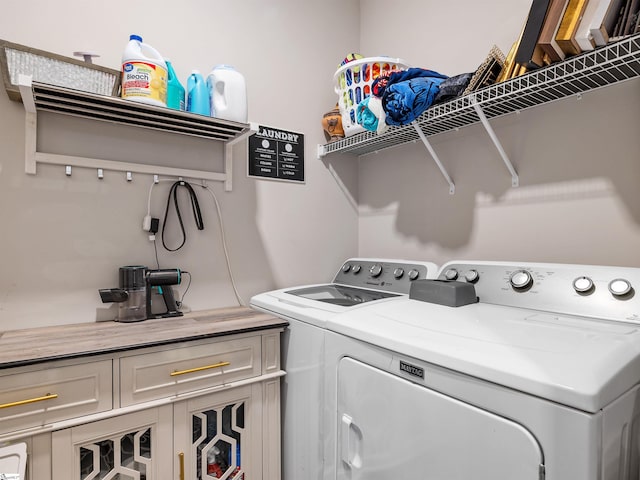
(599, 68)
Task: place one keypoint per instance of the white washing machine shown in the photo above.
(359, 282)
(539, 378)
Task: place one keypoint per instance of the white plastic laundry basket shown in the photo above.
(353, 84)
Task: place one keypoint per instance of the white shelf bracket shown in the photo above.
(434, 155)
(228, 155)
(30, 124)
(515, 181)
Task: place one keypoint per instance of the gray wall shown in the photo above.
(64, 238)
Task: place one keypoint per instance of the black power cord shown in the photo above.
(179, 303)
(194, 205)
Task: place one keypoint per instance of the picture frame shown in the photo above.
(488, 72)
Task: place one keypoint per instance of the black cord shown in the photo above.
(155, 247)
(186, 290)
(195, 206)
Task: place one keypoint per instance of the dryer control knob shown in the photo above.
(356, 269)
(346, 267)
(398, 272)
(451, 274)
(413, 274)
(582, 284)
(472, 276)
(520, 280)
(619, 287)
(375, 270)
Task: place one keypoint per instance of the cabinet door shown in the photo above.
(136, 446)
(219, 435)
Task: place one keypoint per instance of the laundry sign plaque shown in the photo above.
(276, 154)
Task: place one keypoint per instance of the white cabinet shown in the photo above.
(202, 409)
(217, 435)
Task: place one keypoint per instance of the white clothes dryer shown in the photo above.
(539, 378)
(359, 282)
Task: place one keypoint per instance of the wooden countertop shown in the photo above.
(35, 345)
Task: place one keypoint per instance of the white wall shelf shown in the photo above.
(608, 65)
(42, 97)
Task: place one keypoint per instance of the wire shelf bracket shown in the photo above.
(515, 180)
(434, 155)
(41, 97)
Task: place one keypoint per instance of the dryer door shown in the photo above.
(390, 428)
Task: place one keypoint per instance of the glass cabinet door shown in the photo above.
(217, 441)
(135, 446)
(123, 456)
(214, 433)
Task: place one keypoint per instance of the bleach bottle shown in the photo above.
(144, 73)
(175, 90)
(228, 92)
(197, 94)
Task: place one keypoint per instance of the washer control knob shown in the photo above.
(520, 279)
(398, 272)
(472, 276)
(413, 274)
(582, 284)
(619, 287)
(346, 267)
(451, 274)
(375, 270)
(356, 269)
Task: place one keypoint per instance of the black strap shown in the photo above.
(194, 205)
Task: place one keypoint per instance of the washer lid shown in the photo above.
(341, 295)
(579, 362)
(315, 304)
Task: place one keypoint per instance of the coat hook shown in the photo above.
(100, 174)
(129, 176)
(67, 170)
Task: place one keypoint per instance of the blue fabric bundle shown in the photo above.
(408, 93)
(371, 115)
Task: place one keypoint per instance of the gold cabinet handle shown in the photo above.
(48, 396)
(181, 459)
(199, 369)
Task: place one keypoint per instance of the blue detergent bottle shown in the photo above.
(175, 90)
(198, 94)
